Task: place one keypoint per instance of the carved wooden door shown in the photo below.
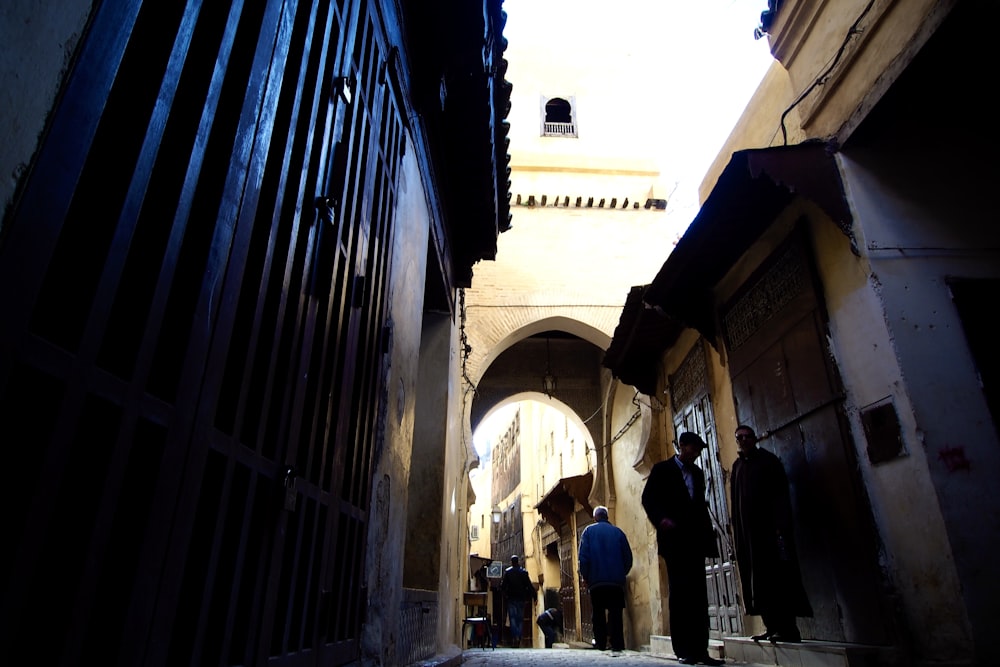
(786, 385)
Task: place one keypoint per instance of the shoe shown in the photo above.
(786, 637)
(761, 637)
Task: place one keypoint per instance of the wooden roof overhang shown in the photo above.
(460, 104)
(752, 190)
(559, 504)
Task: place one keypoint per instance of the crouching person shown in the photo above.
(550, 623)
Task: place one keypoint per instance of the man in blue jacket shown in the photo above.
(605, 560)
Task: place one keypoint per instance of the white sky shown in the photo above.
(698, 58)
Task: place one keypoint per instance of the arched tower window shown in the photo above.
(559, 118)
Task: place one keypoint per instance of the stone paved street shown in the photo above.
(507, 657)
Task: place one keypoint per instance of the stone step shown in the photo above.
(808, 653)
(662, 647)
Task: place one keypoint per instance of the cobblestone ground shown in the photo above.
(511, 657)
(562, 657)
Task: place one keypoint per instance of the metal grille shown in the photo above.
(783, 281)
(690, 379)
(418, 615)
(197, 357)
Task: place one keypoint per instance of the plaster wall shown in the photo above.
(393, 465)
(480, 511)
(428, 489)
(39, 38)
(454, 570)
(549, 265)
(805, 42)
(842, 56)
(558, 447)
(918, 229)
(606, 83)
(916, 551)
(631, 429)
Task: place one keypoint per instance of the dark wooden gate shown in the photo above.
(192, 286)
(786, 386)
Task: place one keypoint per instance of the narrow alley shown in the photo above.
(319, 317)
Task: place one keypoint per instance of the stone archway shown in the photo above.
(523, 357)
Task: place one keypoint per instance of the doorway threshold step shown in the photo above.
(662, 647)
(808, 653)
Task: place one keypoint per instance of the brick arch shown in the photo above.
(490, 333)
(521, 369)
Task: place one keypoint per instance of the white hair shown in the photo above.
(601, 510)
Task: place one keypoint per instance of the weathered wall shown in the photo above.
(454, 568)
(805, 41)
(39, 38)
(631, 429)
(392, 472)
(919, 228)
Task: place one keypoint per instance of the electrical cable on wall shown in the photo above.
(822, 78)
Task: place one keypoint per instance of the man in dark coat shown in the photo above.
(517, 590)
(674, 500)
(765, 541)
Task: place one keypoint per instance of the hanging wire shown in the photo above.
(822, 78)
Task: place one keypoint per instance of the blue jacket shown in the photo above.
(605, 555)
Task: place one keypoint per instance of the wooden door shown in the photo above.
(786, 386)
(567, 583)
(584, 519)
(692, 408)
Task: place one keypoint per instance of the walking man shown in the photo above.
(517, 589)
(674, 500)
(764, 541)
(605, 560)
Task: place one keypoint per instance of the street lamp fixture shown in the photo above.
(548, 380)
(497, 514)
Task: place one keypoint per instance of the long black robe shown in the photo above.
(762, 511)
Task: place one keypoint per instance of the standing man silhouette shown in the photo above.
(765, 541)
(674, 500)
